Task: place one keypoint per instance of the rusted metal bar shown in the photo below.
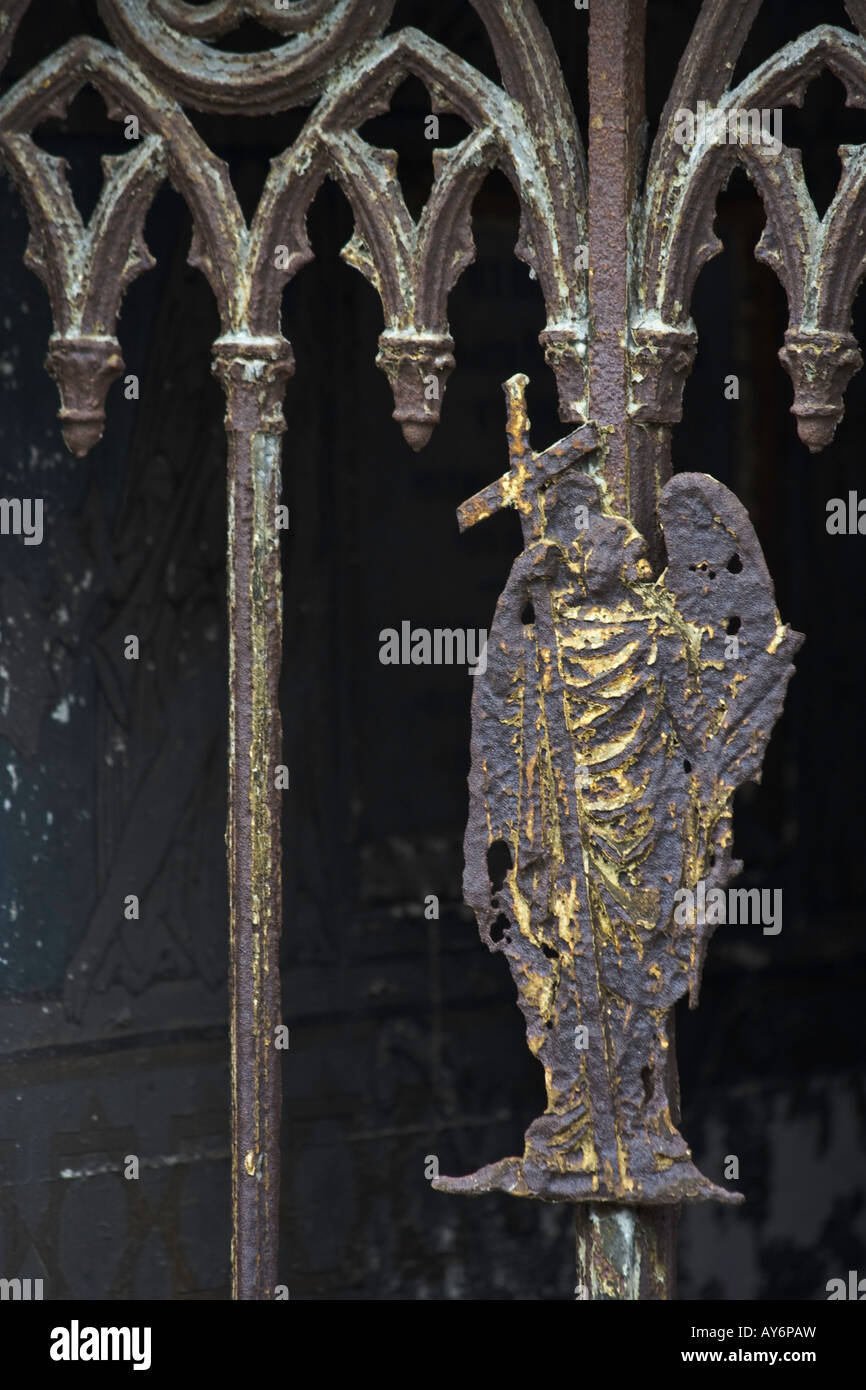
(254, 375)
(616, 106)
(617, 1246)
(625, 1252)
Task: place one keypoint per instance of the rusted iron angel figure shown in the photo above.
(635, 707)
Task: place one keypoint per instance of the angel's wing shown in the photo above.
(508, 774)
(719, 582)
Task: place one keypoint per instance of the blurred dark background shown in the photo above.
(405, 1038)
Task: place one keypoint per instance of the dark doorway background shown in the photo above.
(405, 1040)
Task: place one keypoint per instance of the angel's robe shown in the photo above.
(605, 803)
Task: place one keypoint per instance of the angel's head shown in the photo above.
(604, 551)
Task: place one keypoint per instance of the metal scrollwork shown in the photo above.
(169, 40)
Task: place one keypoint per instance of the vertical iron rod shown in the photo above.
(622, 1252)
(253, 373)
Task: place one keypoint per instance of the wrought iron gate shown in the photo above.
(616, 236)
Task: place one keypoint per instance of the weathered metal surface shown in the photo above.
(10, 17)
(610, 732)
(616, 42)
(620, 341)
(170, 39)
(254, 374)
(819, 261)
(85, 270)
(624, 1252)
